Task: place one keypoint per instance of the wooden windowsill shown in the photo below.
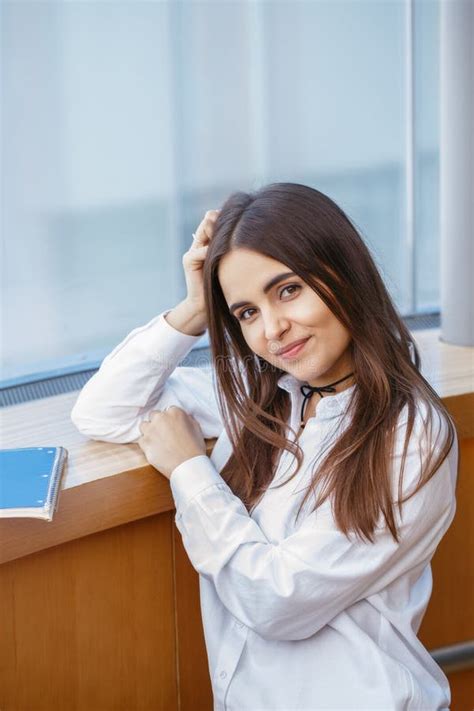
(106, 485)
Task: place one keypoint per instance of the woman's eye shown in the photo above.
(290, 286)
(241, 316)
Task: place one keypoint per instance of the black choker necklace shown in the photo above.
(308, 390)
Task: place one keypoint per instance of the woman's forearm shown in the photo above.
(187, 319)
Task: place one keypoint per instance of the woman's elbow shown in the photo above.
(288, 631)
(104, 431)
(287, 625)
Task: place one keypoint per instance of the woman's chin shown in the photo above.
(303, 370)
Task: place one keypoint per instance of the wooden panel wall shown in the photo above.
(194, 681)
(110, 643)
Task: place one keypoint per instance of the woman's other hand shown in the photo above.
(169, 438)
(193, 261)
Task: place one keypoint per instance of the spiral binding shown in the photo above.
(51, 503)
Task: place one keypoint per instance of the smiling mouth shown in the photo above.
(295, 350)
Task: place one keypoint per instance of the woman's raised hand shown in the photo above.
(193, 261)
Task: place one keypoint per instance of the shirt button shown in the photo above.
(239, 624)
(223, 674)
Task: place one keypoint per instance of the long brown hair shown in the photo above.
(305, 230)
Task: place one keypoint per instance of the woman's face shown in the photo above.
(273, 316)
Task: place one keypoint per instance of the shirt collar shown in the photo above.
(329, 406)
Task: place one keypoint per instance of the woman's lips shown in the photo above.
(294, 351)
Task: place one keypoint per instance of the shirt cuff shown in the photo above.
(171, 344)
(191, 477)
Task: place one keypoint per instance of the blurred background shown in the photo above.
(123, 122)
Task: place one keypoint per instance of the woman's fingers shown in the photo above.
(204, 232)
(193, 258)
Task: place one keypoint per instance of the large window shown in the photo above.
(123, 122)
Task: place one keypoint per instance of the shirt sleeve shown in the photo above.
(290, 590)
(140, 375)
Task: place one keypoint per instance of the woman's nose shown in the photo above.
(275, 327)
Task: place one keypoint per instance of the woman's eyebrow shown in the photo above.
(274, 280)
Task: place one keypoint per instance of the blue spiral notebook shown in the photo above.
(30, 479)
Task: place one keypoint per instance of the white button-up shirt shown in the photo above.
(295, 615)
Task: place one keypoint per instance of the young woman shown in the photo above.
(332, 481)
